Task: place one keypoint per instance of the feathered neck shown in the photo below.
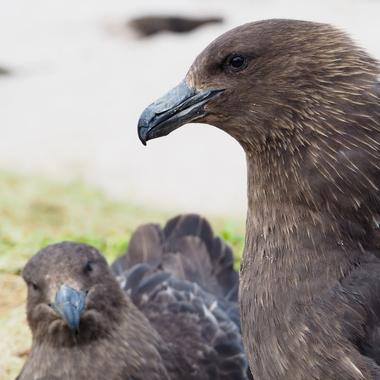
(309, 188)
(120, 353)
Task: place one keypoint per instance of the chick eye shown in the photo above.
(34, 286)
(236, 62)
(89, 267)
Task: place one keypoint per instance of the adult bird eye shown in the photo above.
(236, 62)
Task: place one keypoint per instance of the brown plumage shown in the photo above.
(304, 103)
(168, 317)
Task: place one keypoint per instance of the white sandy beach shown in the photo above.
(71, 108)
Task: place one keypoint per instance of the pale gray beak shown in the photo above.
(179, 106)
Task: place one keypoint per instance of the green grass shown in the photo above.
(35, 212)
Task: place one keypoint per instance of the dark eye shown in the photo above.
(34, 286)
(89, 267)
(236, 62)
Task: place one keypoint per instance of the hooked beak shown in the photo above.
(69, 304)
(179, 106)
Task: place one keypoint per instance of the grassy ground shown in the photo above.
(35, 212)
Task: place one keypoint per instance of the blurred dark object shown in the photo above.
(4, 71)
(150, 25)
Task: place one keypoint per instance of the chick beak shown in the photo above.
(69, 304)
(181, 105)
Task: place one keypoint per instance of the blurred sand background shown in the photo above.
(70, 107)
